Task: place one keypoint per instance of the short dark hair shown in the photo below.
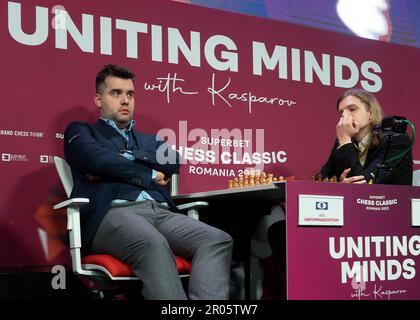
(112, 70)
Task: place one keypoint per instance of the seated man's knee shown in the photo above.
(225, 238)
(217, 236)
(156, 242)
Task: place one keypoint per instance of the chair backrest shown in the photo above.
(416, 178)
(64, 172)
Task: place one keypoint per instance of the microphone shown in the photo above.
(392, 125)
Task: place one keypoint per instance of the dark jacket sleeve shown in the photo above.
(347, 156)
(330, 168)
(160, 158)
(86, 154)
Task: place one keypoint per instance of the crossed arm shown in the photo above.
(85, 153)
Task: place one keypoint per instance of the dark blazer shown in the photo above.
(348, 157)
(95, 150)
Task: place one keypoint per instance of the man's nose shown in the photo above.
(124, 99)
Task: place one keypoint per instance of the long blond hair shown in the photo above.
(371, 104)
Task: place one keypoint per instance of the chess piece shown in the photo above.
(252, 182)
(317, 177)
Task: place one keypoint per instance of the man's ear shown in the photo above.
(97, 99)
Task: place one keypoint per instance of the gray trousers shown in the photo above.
(146, 235)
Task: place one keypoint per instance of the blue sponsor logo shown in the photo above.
(321, 205)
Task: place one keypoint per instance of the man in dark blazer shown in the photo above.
(359, 150)
(131, 215)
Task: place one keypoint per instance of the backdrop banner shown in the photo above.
(230, 92)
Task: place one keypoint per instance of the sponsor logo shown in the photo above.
(45, 158)
(22, 133)
(377, 203)
(321, 205)
(8, 157)
(5, 157)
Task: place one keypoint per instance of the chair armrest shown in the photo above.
(73, 220)
(71, 203)
(192, 205)
(192, 208)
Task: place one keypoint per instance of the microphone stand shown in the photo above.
(390, 127)
(383, 165)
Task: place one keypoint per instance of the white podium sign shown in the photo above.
(415, 212)
(317, 210)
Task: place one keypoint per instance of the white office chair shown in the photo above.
(416, 177)
(102, 265)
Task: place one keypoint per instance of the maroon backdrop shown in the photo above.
(48, 81)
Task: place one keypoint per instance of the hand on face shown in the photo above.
(346, 128)
(355, 121)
